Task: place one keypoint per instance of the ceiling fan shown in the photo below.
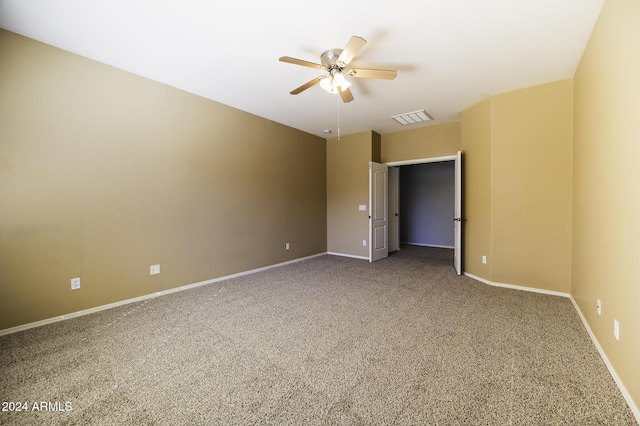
(336, 63)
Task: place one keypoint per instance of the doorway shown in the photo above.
(456, 217)
(427, 195)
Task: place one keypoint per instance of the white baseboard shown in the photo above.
(612, 371)
(347, 255)
(518, 287)
(427, 245)
(147, 296)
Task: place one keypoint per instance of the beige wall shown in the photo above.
(606, 198)
(348, 176)
(476, 140)
(531, 170)
(431, 141)
(518, 158)
(104, 173)
(347, 188)
(376, 147)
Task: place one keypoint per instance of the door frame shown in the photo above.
(457, 220)
(421, 161)
(426, 160)
(393, 192)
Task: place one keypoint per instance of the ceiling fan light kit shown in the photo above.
(334, 82)
(336, 63)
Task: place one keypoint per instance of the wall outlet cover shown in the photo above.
(75, 283)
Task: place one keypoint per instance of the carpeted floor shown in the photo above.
(331, 341)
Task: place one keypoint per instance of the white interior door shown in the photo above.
(457, 220)
(394, 208)
(378, 211)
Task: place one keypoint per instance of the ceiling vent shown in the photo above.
(412, 117)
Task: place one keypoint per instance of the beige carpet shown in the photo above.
(327, 341)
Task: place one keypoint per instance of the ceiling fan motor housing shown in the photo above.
(329, 59)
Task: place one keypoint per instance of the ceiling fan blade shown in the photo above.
(307, 85)
(369, 73)
(301, 62)
(352, 48)
(345, 94)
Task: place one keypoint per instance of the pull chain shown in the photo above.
(339, 118)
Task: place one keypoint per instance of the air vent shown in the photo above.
(412, 117)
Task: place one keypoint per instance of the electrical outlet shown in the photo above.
(75, 283)
(287, 246)
(599, 307)
(616, 329)
(154, 269)
(484, 260)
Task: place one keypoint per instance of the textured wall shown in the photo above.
(531, 186)
(104, 173)
(476, 148)
(424, 142)
(518, 163)
(347, 189)
(606, 199)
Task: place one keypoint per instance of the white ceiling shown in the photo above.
(450, 54)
